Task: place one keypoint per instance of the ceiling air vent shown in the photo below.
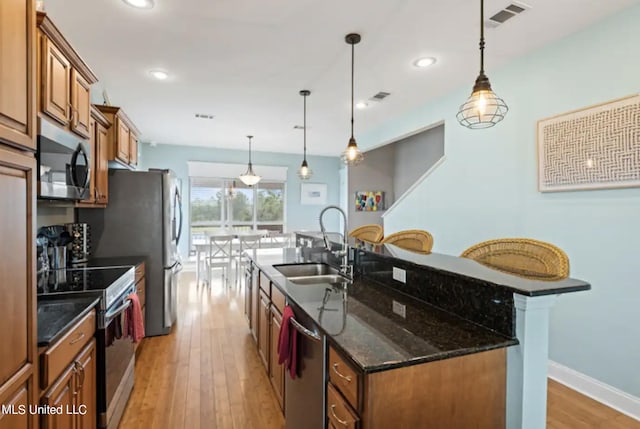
(380, 96)
(507, 13)
(204, 116)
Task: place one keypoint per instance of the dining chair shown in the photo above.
(416, 240)
(525, 257)
(248, 241)
(219, 255)
(371, 233)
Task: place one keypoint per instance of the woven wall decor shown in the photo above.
(592, 148)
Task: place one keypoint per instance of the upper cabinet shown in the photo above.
(64, 80)
(17, 73)
(122, 136)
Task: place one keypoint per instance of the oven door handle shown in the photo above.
(304, 331)
(111, 314)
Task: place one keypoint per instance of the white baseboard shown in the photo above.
(601, 392)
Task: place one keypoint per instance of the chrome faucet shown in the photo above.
(345, 268)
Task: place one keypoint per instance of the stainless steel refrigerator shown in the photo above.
(143, 218)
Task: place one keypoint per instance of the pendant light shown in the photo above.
(250, 178)
(304, 172)
(352, 154)
(484, 108)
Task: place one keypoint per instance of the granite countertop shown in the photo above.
(123, 261)
(359, 321)
(57, 316)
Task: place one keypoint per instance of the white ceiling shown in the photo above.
(245, 61)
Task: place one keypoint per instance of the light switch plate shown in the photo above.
(399, 274)
(399, 309)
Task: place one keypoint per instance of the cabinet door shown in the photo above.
(102, 164)
(122, 141)
(17, 402)
(86, 387)
(263, 329)
(17, 264)
(17, 72)
(277, 370)
(56, 78)
(133, 149)
(80, 105)
(62, 394)
(255, 304)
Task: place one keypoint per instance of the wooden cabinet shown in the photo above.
(80, 104)
(99, 174)
(422, 395)
(255, 304)
(276, 373)
(18, 353)
(64, 89)
(74, 391)
(17, 73)
(263, 329)
(122, 137)
(16, 402)
(133, 149)
(56, 80)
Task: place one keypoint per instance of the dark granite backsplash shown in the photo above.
(475, 300)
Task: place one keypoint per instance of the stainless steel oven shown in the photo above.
(116, 360)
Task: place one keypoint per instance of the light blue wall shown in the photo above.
(325, 169)
(487, 188)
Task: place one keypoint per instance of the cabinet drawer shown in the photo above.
(338, 411)
(139, 272)
(61, 354)
(343, 377)
(265, 284)
(277, 299)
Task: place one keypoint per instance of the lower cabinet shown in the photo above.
(17, 401)
(266, 304)
(74, 392)
(460, 392)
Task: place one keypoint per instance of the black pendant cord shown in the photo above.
(481, 37)
(304, 125)
(352, 80)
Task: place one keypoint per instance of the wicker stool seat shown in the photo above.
(368, 233)
(522, 256)
(416, 240)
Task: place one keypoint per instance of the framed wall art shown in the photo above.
(593, 148)
(313, 193)
(369, 201)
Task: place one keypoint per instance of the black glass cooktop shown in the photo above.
(78, 280)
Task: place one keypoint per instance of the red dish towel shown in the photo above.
(135, 323)
(288, 343)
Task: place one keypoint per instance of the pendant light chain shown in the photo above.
(352, 83)
(250, 137)
(305, 127)
(481, 36)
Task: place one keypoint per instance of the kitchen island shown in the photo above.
(454, 307)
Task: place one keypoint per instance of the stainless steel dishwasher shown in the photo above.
(305, 397)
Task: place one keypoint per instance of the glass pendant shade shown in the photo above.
(304, 172)
(352, 155)
(250, 178)
(484, 108)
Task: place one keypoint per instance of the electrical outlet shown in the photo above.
(399, 274)
(399, 309)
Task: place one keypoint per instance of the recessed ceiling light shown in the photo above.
(140, 4)
(361, 105)
(424, 62)
(159, 74)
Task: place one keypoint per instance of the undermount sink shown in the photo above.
(308, 274)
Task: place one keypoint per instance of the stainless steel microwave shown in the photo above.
(63, 164)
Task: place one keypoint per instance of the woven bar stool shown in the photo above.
(416, 240)
(368, 233)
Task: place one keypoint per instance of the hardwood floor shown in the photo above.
(207, 374)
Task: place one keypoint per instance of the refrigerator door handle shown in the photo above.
(178, 204)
